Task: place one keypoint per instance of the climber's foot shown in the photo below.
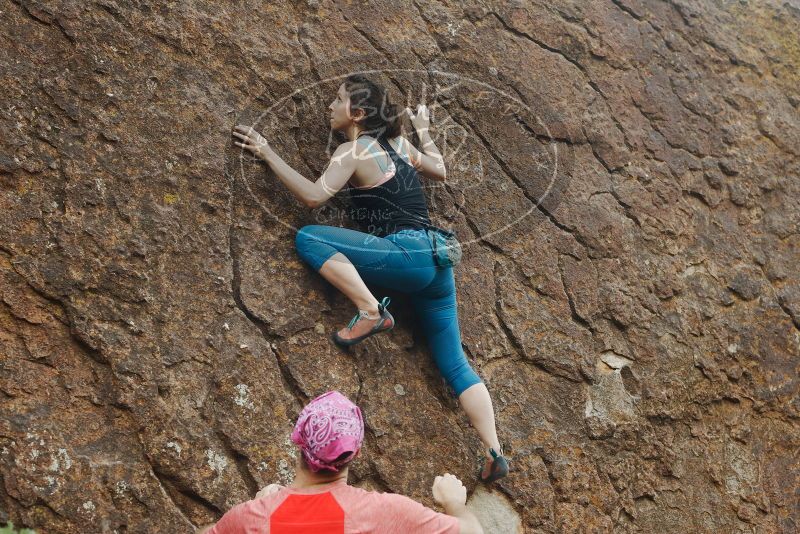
(365, 324)
(496, 467)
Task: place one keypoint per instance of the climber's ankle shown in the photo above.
(371, 308)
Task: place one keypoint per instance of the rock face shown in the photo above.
(625, 178)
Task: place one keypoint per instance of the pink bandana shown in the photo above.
(328, 427)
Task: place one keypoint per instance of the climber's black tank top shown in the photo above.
(394, 205)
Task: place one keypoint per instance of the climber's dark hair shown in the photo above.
(383, 119)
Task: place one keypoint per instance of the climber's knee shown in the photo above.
(303, 238)
(303, 242)
(310, 248)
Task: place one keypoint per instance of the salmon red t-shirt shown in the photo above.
(333, 509)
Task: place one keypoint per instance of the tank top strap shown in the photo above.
(388, 147)
(393, 155)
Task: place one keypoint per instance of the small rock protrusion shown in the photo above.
(726, 297)
(745, 285)
(714, 178)
(729, 166)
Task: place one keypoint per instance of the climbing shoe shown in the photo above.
(498, 469)
(383, 323)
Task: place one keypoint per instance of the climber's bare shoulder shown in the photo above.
(369, 162)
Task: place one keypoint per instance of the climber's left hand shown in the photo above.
(252, 141)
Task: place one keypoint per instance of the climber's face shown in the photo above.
(339, 109)
(341, 115)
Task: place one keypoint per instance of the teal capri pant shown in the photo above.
(402, 261)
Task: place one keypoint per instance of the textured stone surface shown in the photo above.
(625, 177)
(494, 512)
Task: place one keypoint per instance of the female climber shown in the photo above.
(394, 250)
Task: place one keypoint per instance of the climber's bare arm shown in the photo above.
(340, 168)
(312, 194)
(430, 164)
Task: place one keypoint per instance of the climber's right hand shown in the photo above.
(449, 492)
(421, 119)
(252, 141)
